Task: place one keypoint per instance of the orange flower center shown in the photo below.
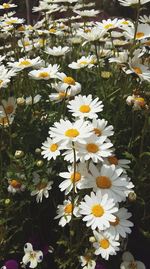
(133, 265)
(62, 95)
(137, 70)
(15, 184)
(93, 148)
(97, 131)
(72, 133)
(68, 208)
(115, 223)
(53, 147)
(9, 109)
(43, 75)
(139, 35)
(75, 177)
(69, 80)
(104, 243)
(85, 108)
(4, 121)
(97, 210)
(103, 182)
(140, 101)
(113, 160)
(41, 185)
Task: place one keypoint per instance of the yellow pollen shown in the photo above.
(139, 35)
(97, 131)
(11, 22)
(103, 182)
(137, 70)
(1, 81)
(85, 108)
(42, 42)
(15, 183)
(26, 43)
(32, 255)
(97, 210)
(93, 148)
(125, 22)
(41, 185)
(87, 30)
(52, 30)
(72, 133)
(108, 26)
(104, 243)
(113, 160)
(9, 109)
(69, 80)
(140, 101)
(43, 75)
(115, 223)
(53, 147)
(21, 28)
(75, 177)
(83, 62)
(25, 63)
(5, 5)
(68, 208)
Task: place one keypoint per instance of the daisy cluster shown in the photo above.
(53, 77)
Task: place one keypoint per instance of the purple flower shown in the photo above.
(11, 264)
(100, 265)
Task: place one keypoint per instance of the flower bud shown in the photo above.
(37, 150)
(19, 154)
(20, 101)
(132, 196)
(7, 201)
(39, 163)
(92, 239)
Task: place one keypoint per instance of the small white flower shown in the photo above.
(83, 62)
(68, 83)
(26, 63)
(32, 257)
(132, 2)
(42, 188)
(50, 149)
(130, 263)
(45, 73)
(57, 51)
(87, 262)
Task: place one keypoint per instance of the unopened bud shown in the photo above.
(132, 196)
(20, 101)
(92, 239)
(19, 154)
(37, 150)
(39, 163)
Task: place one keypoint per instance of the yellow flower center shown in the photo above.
(25, 63)
(62, 95)
(9, 109)
(139, 35)
(69, 80)
(1, 81)
(113, 160)
(137, 70)
(43, 75)
(87, 30)
(83, 62)
(104, 243)
(115, 223)
(32, 255)
(15, 184)
(53, 147)
(85, 108)
(4, 121)
(108, 26)
(140, 101)
(21, 28)
(6, 5)
(103, 182)
(93, 148)
(41, 185)
(26, 43)
(97, 210)
(125, 22)
(11, 22)
(68, 208)
(75, 177)
(97, 131)
(72, 133)
(52, 30)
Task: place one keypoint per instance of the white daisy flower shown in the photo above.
(31, 257)
(109, 24)
(15, 186)
(132, 2)
(121, 226)
(92, 34)
(130, 263)
(123, 163)
(105, 245)
(95, 148)
(50, 149)
(100, 128)
(83, 62)
(66, 131)
(68, 83)
(98, 211)
(42, 189)
(87, 262)
(45, 73)
(85, 107)
(7, 6)
(26, 63)
(9, 107)
(12, 21)
(66, 211)
(143, 31)
(144, 19)
(26, 44)
(87, 13)
(6, 75)
(74, 180)
(57, 51)
(108, 179)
